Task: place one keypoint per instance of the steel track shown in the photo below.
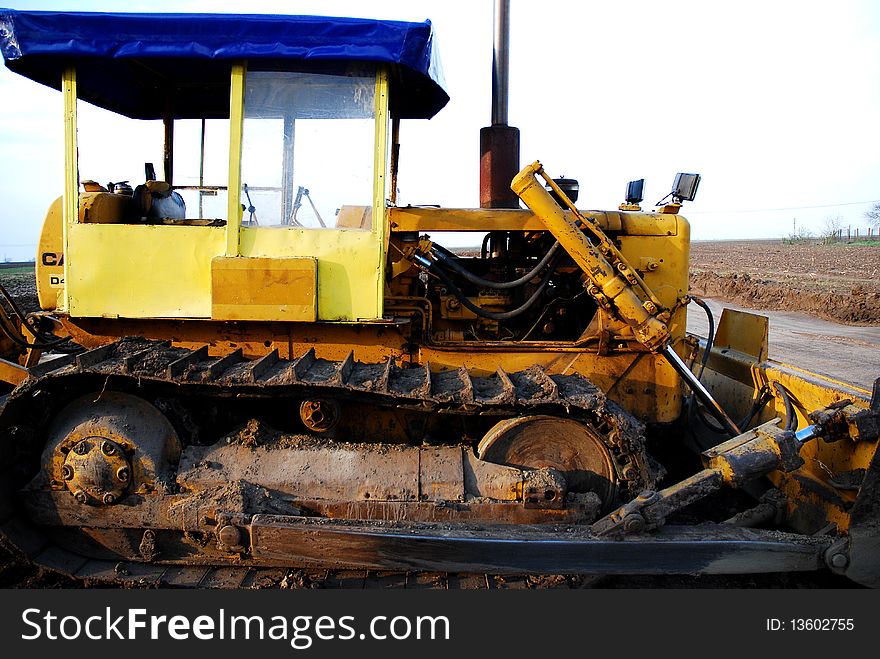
(157, 367)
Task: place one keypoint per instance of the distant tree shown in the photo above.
(831, 227)
(873, 215)
(800, 234)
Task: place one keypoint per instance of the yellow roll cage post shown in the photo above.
(71, 171)
(136, 271)
(238, 79)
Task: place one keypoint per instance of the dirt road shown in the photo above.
(847, 353)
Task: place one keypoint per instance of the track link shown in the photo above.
(155, 365)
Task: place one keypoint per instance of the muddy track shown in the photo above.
(156, 369)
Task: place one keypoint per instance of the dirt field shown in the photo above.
(19, 282)
(838, 282)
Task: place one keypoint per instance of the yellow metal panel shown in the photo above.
(141, 271)
(236, 123)
(71, 170)
(746, 332)
(263, 288)
(50, 258)
(12, 373)
(509, 219)
(348, 265)
(102, 207)
(380, 164)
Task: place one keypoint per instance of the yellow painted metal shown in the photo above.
(463, 219)
(733, 375)
(236, 124)
(504, 219)
(12, 372)
(663, 263)
(141, 271)
(264, 289)
(348, 265)
(49, 269)
(611, 286)
(745, 332)
(380, 167)
(71, 170)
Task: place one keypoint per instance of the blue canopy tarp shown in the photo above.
(133, 63)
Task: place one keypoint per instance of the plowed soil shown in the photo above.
(19, 283)
(837, 282)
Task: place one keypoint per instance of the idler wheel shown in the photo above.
(571, 447)
(106, 445)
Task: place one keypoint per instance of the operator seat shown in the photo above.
(155, 200)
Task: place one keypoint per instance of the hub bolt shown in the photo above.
(108, 498)
(108, 448)
(633, 523)
(81, 496)
(81, 449)
(66, 472)
(631, 472)
(122, 474)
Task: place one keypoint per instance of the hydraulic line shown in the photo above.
(41, 342)
(710, 338)
(785, 395)
(491, 315)
(761, 397)
(19, 339)
(484, 247)
(700, 392)
(613, 282)
(487, 283)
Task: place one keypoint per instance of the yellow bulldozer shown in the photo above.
(286, 368)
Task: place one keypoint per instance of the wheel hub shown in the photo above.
(320, 415)
(96, 471)
(572, 448)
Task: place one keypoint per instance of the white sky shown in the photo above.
(774, 102)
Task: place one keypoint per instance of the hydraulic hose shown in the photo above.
(785, 395)
(491, 315)
(710, 339)
(763, 395)
(761, 398)
(700, 392)
(487, 283)
(41, 342)
(19, 339)
(484, 247)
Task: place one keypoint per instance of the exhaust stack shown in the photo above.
(499, 143)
